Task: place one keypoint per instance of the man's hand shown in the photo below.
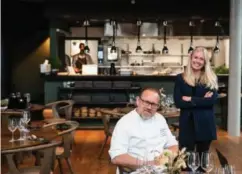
(186, 98)
(208, 94)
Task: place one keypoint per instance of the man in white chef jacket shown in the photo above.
(141, 132)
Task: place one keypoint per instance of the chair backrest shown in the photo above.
(67, 137)
(63, 105)
(106, 123)
(47, 149)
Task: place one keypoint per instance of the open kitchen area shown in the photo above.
(71, 69)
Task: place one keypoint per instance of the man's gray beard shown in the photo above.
(146, 117)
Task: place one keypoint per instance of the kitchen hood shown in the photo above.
(130, 29)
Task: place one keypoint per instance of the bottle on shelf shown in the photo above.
(112, 69)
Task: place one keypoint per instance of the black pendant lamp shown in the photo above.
(86, 24)
(138, 48)
(191, 25)
(216, 48)
(165, 49)
(113, 48)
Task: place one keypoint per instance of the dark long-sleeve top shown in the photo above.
(200, 108)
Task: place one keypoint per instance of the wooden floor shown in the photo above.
(88, 143)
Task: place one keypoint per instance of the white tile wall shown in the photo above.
(175, 48)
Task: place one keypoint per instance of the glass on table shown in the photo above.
(26, 117)
(193, 161)
(230, 169)
(220, 170)
(207, 161)
(21, 128)
(12, 126)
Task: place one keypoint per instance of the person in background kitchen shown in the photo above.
(140, 132)
(81, 58)
(195, 93)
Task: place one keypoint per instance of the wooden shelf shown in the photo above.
(101, 104)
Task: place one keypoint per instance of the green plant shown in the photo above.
(222, 70)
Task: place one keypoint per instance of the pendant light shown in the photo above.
(191, 25)
(86, 24)
(165, 49)
(216, 48)
(138, 48)
(113, 48)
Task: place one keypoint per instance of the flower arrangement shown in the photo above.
(174, 162)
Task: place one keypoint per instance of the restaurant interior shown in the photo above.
(58, 114)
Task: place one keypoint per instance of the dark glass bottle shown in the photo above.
(21, 104)
(112, 69)
(12, 104)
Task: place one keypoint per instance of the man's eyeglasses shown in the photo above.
(148, 103)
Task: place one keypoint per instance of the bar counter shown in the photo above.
(104, 91)
(221, 78)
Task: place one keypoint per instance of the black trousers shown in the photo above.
(198, 146)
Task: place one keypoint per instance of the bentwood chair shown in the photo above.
(47, 164)
(60, 110)
(108, 130)
(64, 151)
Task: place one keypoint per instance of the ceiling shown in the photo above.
(178, 12)
(133, 9)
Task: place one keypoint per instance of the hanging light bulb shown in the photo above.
(190, 49)
(86, 49)
(216, 48)
(86, 24)
(138, 48)
(165, 48)
(191, 25)
(113, 48)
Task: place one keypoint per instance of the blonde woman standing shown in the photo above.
(195, 93)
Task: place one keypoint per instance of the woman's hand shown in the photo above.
(208, 94)
(186, 98)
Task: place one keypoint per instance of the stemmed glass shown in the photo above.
(207, 162)
(220, 170)
(193, 161)
(26, 117)
(21, 128)
(12, 126)
(229, 169)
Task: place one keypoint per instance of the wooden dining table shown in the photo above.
(44, 135)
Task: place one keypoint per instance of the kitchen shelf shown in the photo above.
(99, 89)
(142, 66)
(161, 55)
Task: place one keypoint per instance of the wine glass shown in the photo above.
(207, 162)
(26, 117)
(220, 170)
(21, 128)
(229, 169)
(12, 126)
(193, 161)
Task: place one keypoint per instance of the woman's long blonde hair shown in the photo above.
(207, 76)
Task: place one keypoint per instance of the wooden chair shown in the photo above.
(108, 130)
(124, 170)
(64, 151)
(175, 126)
(48, 161)
(58, 108)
